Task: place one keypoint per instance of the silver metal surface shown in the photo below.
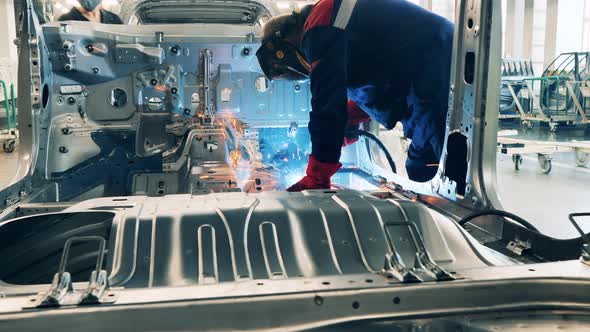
(274, 260)
(317, 305)
(247, 12)
(181, 240)
(207, 63)
(62, 293)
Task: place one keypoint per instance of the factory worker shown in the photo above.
(90, 10)
(385, 60)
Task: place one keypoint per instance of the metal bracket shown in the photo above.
(62, 292)
(518, 246)
(585, 256)
(424, 267)
(208, 109)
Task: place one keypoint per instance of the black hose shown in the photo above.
(359, 132)
(462, 222)
(500, 213)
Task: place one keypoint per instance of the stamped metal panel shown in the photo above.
(247, 95)
(120, 79)
(180, 240)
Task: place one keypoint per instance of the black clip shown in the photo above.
(62, 293)
(424, 268)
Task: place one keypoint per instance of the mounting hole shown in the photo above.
(155, 103)
(325, 283)
(260, 284)
(261, 84)
(118, 98)
(356, 305)
(35, 63)
(470, 23)
(45, 95)
(396, 300)
(532, 270)
(318, 300)
(369, 281)
(469, 74)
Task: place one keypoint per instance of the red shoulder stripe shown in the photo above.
(321, 15)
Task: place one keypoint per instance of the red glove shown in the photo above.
(356, 116)
(318, 175)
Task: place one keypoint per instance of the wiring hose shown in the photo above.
(368, 135)
(500, 213)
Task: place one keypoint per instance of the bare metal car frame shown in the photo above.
(465, 183)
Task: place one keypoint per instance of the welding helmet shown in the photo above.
(280, 59)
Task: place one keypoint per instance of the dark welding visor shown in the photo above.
(281, 60)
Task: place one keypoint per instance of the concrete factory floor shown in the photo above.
(546, 199)
(543, 199)
(8, 166)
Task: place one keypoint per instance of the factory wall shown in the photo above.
(8, 55)
(536, 29)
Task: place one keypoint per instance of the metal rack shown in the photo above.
(513, 74)
(8, 137)
(560, 97)
(544, 150)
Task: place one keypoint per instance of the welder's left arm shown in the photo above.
(356, 117)
(326, 49)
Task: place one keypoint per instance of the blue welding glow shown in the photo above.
(285, 152)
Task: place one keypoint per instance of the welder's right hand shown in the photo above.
(318, 176)
(356, 116)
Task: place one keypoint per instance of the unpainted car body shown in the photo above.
(145, 200)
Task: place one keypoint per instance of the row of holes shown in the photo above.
(326, 283)
(356, 304)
